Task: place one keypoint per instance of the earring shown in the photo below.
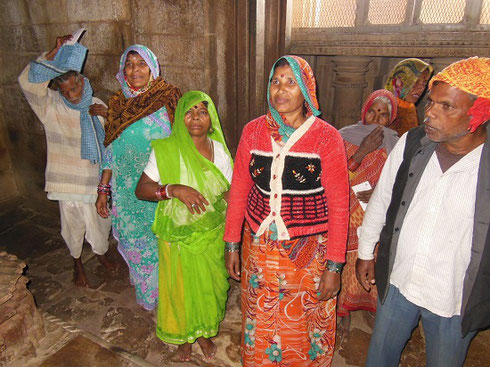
(211, 130)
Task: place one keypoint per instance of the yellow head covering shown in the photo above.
(472, 76)
(404, 76)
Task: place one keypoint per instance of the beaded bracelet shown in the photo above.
(232, 246)
(104, 189)
(334, 267)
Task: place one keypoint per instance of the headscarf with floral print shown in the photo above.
(278, 124)
(404, 76)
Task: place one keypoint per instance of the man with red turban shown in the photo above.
(430, 214)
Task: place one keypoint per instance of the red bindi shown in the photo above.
(282, 75)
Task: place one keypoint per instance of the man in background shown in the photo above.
(74, 138)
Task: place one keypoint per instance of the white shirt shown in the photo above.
(434, 247)
(221, 160)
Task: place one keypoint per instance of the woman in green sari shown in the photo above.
(189, 174)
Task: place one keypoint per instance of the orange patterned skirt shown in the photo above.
(284, 323)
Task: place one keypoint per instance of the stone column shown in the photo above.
(350, 81)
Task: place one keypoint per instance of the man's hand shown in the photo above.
(365, 273)
(98, 109)
(232, 261)
(329, 285)
(60, 41)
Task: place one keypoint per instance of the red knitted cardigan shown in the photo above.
(321, 139)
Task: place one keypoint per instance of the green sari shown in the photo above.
(192, 277)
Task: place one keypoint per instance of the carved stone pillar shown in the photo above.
(349, 83)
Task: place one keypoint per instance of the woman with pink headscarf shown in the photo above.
(367, 144)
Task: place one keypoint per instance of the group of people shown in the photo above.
(288, 217)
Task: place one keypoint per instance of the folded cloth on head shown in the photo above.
(68, 57)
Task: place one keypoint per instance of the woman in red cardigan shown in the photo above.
(290, 184)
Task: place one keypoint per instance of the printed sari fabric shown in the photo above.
(127, 156)
(193, 277)
(400, 82)
(352, 296)
(284, 322)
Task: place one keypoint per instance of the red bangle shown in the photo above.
(104, 189)
(161, 193)
(352, 164)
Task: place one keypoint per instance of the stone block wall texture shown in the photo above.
(193, 40)
(21, 325)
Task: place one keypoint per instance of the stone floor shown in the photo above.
(103, 326)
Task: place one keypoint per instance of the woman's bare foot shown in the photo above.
(184, 352)
(79, 277)
(207, 346)
(343, 330)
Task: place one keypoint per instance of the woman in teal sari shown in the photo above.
(140, 112)
(189, 175)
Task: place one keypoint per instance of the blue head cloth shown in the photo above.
(68, 57)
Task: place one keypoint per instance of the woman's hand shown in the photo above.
(364, 196)
(232, 261)
(329, 285)
(98, 109)
(192, 198)
(101, 205)
(369, 144)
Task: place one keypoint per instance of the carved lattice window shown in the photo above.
(324, 13)
(387, 11)
(485, 12)
(442, 12)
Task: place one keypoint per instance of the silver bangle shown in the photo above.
(166, 191)
(232, 246)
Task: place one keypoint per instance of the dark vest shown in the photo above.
(476, 289)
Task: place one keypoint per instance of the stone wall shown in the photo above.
(193, 39)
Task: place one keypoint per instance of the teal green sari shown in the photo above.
(192, 277)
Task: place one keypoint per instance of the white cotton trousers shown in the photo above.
(79, 220)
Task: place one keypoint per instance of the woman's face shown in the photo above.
(378, 114)
(285, 94)
(136, 70)
(197, 120)
(418, 88)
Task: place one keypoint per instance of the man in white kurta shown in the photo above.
(435, 239)
(70, 179)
